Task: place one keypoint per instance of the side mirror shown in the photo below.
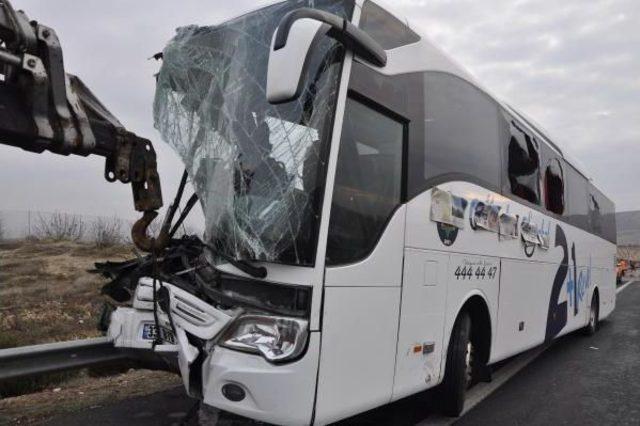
(293, 40)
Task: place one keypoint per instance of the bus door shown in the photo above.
(364, 262)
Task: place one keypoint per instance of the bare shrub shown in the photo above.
(59, 227)
(106, 232)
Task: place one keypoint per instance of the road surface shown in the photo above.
(577, 380)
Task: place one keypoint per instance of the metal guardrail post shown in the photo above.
(55, 357)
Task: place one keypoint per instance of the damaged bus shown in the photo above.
(377, 223)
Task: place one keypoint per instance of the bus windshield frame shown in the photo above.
(258, 169)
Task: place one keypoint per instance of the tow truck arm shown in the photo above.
(42, 108)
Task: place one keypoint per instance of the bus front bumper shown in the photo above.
(281, 394)
(238, 382)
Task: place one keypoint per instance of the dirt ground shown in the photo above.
(47, 295)
(82, 393)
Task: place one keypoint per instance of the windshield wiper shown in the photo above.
(167, 228)
(243, 265)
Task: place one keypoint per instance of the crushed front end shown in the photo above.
(240, 344)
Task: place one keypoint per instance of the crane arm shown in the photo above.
(42, 108)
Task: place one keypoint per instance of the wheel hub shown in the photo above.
(469, 361)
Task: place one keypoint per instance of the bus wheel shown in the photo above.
(594, 316)
(459, 369)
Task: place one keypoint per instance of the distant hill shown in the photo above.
(628, 224)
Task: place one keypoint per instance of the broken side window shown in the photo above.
(524, 164)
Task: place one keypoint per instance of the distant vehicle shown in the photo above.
(621, 269)
(377, 223)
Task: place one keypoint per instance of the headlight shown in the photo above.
(275, 338)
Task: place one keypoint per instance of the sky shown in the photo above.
(573, 65)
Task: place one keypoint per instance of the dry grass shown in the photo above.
(46, 293)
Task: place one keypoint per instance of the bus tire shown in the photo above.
(594, 315)
(457, 376)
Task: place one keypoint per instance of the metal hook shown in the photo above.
(142, 240)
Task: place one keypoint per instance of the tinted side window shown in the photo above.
(403, 94)
(463, 130)
(602, 215)
(368, 182)
(385, 28)
(577, 201)
(595, 215)
(523, 163)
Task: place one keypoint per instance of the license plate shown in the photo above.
(149, 333)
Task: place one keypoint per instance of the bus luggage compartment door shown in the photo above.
(420, 339)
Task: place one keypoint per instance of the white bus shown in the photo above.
(377, 223)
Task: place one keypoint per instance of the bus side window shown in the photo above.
(578, 202)
(368, 183)
(595, 217)
(464, 132)
(602, 216)
(524, 165)
(554, 187)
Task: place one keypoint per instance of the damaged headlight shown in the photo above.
(275, 338)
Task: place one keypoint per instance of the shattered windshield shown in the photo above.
(258, 169)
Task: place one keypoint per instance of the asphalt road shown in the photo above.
(578, 380)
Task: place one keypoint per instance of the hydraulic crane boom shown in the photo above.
(42, 108)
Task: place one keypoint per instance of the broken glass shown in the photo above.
(258, 169)
(524, 164)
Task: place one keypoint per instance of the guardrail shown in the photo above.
(55, 357)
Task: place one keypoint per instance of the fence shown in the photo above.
(27, 224)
